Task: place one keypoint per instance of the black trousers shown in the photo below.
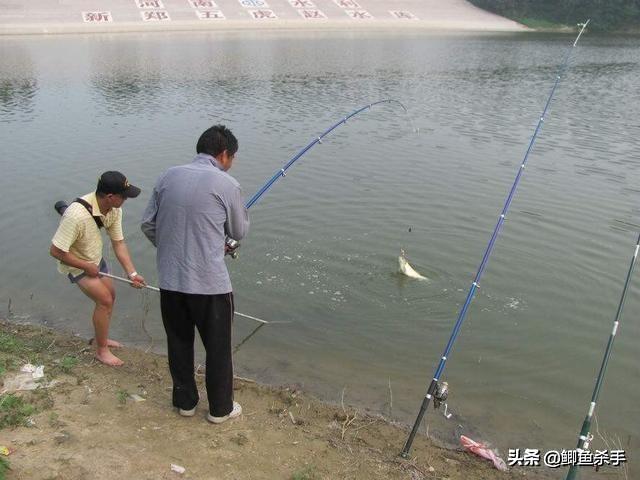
(212, 315)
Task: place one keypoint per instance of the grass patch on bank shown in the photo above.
(11, 344)
(4, 467)
(14, 411)
(122, 396)
(306, 473)
(67, 363)
(20, 345)
(17, 350)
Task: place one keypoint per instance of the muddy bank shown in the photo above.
(99, 422)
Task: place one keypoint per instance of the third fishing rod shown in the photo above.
(439, 392)
(585, 436)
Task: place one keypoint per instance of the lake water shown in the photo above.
(323, 247)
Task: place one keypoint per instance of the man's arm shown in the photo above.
(148, 225)
(122, 254)
(91, 269)
(237, 224)
(69, 229)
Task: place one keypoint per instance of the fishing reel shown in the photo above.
(440, 397)
(230, 247)
(441, 394)
(587, 441)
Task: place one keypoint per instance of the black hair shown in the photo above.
(216, 140)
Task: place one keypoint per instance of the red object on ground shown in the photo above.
(482, 450)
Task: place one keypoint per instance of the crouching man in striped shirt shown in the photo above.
(192, 209)
(77, 245)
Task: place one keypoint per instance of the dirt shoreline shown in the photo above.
(89, 425)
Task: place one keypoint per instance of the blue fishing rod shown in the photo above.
(439, 392)
(283, 171)
(585, 437)
(232, 244)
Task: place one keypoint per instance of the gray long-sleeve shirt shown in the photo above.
(190, 211)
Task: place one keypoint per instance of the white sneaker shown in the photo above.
(187, 413)
(236, 412)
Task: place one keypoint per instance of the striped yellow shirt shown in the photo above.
(78, 233)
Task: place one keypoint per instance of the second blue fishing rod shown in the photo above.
(433, 389)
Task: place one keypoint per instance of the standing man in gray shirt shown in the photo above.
(193, 208)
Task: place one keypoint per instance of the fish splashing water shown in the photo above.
(407, 269)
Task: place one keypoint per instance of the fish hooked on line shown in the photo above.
(406, 269)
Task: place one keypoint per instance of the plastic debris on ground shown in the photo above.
(178, 469)
(37, 372)
(29, 378)
(482, 450)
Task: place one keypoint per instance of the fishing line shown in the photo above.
(282, 172)
(61, 206)
(435, 388)
(146, 306)
(318, 140)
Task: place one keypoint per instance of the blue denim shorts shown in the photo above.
(103, 269)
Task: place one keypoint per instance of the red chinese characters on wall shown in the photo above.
(97, 17)
(312, 14)
(263, 14)
(261, 4)
(351, 4)
(203, 4)
(149, 3)
(302, 4)
(403, 15)
(359, 14)
(155, 16)
(210, 15)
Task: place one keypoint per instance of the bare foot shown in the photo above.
(110, 343)
(104, 355)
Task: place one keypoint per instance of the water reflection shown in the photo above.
(17, 98)
(18, 84)
(127, 94)
(612, 68)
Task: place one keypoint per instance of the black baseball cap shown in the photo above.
(116, 183)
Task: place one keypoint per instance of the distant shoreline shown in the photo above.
(235, 26)
(37, 17)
